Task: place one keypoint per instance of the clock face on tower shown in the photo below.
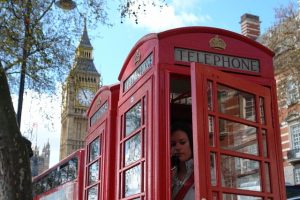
(84, 96)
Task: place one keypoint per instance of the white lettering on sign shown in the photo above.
(99, 113)
(138, 72)
(219, 60)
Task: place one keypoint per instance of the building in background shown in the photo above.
(287, 80)
(289, 118)
(78, 90)
(40, 162)
(286, 62)
(250, 26)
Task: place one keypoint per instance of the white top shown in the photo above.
(177, 184)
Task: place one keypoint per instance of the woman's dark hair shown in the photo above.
(182, 126)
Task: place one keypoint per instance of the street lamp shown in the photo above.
(66, 4)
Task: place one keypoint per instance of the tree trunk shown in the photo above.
(15, 174)
(26, 47)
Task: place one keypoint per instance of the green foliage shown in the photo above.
(284, 39)
(44, 36)
(31, 35)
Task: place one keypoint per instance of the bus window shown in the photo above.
(292, 191)
(57, 177)
(72, 171)
(37, 188)
(50, 180)
(64, 173)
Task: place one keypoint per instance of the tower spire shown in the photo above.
(85, 40)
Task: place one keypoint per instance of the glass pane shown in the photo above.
(55, 182)
(262, 110)
(64, 173)
(240, 197)
(215, 196)
(44, 185)
(133, 181)
(36, 188)
(133, 149)
(240, 173)
(57, 178)
(133, 118)
(72, 172)
(93, 193)
(297, 175)
(238, 137)
(209, 96)
(236, 103)
(292, 90)
(93, 172)
(265, 143)
(213, 170)
(295, 134)
(267, 176)
(144, 110)
(94, 149)
(211, 131)
(99, 113)
(50, 180)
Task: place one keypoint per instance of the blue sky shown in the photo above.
(112, 44)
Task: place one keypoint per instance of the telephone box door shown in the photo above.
(234, 140)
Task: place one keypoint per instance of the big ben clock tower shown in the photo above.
(77, 93)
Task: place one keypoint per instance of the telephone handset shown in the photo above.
(174, 161)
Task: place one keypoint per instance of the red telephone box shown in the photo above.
(100, 170)
(220, 82)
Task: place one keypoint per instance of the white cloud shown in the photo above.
(178, 13)
(185, 5)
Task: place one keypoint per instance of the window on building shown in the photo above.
(297, 175)
(295, 134)
(249, 108)
(292, 91)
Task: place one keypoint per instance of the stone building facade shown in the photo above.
(78, 90)
(40, 162)
(287, 82)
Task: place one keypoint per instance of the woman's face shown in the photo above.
(180, 145)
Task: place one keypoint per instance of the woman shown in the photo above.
(182, 157)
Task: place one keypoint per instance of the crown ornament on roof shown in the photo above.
(217, 43)
(137, 57)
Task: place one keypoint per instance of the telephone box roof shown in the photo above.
(99, 92)
(193, 29)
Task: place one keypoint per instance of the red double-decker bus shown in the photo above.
(219, 82)
(64, 181)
